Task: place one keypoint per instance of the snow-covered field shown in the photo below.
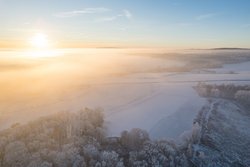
(163, 103)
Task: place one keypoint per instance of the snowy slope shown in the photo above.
(225, 135)
(146, 112)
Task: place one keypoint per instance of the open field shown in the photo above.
(147, 92)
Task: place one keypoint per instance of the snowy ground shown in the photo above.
(164, 104)
(170, 103)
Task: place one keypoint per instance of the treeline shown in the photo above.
(239, 93)
(212, 59)
(78, 139)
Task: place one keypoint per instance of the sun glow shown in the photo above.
(40, 41)
(40, 46)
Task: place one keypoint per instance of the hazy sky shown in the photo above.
(149, 23)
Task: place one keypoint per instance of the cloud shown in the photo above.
(206, 16)
(104, 19)
(81, 12)
(125, 13)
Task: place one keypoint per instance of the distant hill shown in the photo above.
(229, 49)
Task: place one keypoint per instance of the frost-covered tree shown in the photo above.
(134, 139)
(16, 154)
(110, 159)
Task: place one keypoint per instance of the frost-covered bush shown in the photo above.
(243, 96)
(134, 139)
(230, 91)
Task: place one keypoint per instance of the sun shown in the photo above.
(40, 41)
(41, 47)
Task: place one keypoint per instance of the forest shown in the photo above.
(79, 139)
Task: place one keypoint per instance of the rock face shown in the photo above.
(225, 135)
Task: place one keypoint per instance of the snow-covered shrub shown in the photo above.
(134, 139)
(243, 96)
(110, 159)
